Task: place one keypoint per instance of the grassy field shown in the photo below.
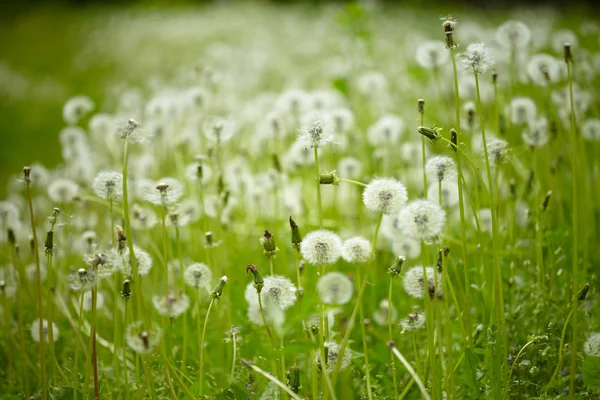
(249, 201)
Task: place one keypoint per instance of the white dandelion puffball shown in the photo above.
(167, 192)
(385, 195)
(592, 345)
(35, 331)
(198, 275)
(498, 151)
(335, 288)
(440, 168)
(356, 250)
(522, 110)
(108, 185)
(543, 69)
(386, 131)
(87, 300)
(407, 247)
(321, 247)
(422, 219)
(536, 134)
(280, 291)
(76, 108)
(142, 259)
(432, 54)
(477, 58)
(386, 310)
(413, 321)
(142, 340)
(513, 35)
(449, 193)
(315, 135)
(414, 282)
(62, 190)
(349, 168)
(333, 352)
(171, 305)
(590, 129)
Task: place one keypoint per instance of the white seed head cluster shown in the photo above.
(477, 58)
(440, 168)
(142, 258)
(386, 131)
(522, 110)
(513, 35)
(413, 321)
(432, 54)
(356, 250)
(108, 185)
(315, 134)
(590, 129)
(385, 195)
(35, 331)
(171, 305)
(62, 190)
(543, 69)
(407, 247)
(166, 192)
(498, 151)
(198, 275)
(76, 108)
(350, 168)
(536, 133)
(321, 247)
(280, 291)
(385, 310)
(335, 288)
(592, 345)
(414, 281)
(142, 339)
(333, 352)
(422, 220)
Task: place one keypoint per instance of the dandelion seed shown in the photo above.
(333, 350)
(335, 288)
(198, 275)
(130, 130)
(171, 305)
(356, 250)
(440, 168)
(414, 282)
(422, 219)
(76, 108)
(384, 195)
(35, 331)
(414, 321)
(349, 168)
(108, 185)
(498, 151)
(102, 265)
(142, 340)
(477, 59)
(315, 135)
(62, 190)
(321, 247)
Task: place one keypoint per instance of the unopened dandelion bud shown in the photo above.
(11, 237)
(49, 243)
(582, 294)
(27, 175)
(209, 239)
(430, 133)
(268, 243)
(568, 54)
(494, 77)
(259, 282)
(31, 243)
(220, 184)
(293, 379)
(454, 139)
(396, 267)
(199, 171)
(329, 178)
(54, 217)
(218, 290)
(126, 292)
(276, 163)
(546, 200)
(296, 237)
(421, 106)
(121, 239)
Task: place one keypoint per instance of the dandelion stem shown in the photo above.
(391, 337)
(364, 337)
(94, 351)
(233, 340)
(515, 363)
(410, 370)
(165, 251)
(353, 182)
(212, 300)
(271, 378)
(319, 205)
(39, 295)
(262, 314)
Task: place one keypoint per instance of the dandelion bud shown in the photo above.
(546, 200)
(174, 217)
(431, 133)
(209, 239)
(568, 54)
(31, 244)
(11, 237)
(121, 239)
(49, 243)
(454, 139)
(126, 292)
(27, 175)
(268, 243)
(421, 106)
(329, 178)
(293, 379)
(218, 290)
(582, 294)
(396, 267)
(494, 76)
(259, 282)
(296, 237)
(440, 168)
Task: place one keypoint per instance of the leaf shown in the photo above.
(61, 393)
(471, 362)
(590, 372)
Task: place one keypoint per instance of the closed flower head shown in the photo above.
(385, 195)
(321, 247)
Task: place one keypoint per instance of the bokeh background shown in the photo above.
(53, 50)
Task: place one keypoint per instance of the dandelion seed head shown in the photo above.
(414, 281)
(413, 321)
(592, 345)
(386, 131)
(35, 331)
(498, 151)
(198, 275)
(321, 247)
(219, 129)
(62, 190)
(166, 193)
(171, 305)
(536, 133)
(384, 195)
(356, 250)
(280, 290)
(108, 185)
(350, 168)
(335, 288)
(432, 54)
(449, 193)
(422, 220)
(333, 352)
(122, 262)
(513, 35)
(131, 130)
(477, 58)
(522, 110)
(142, 340)
(315, 135)
(380, 316)
(76, 108)
(590, 129)
(440, 168)
(543, 69)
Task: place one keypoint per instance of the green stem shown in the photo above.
(94, 350)
(212, 300)
(353, 182)
(165, 251)
(515, 363)
(76, 360)
(364, 337)
(410, 370)
(391, 337)
(320, 206)
(271, 378)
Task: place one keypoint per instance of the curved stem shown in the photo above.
(410, 370)
(515, 363)
(212, 300)
(262, 314)
(271, 378)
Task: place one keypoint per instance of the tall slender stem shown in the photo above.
(410, 370)
(319, 205)
(363, 333)
(391, 337)
(212, 300)
(76, 359)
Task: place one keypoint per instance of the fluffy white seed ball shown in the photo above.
(385, 195)
(321, 247)
(335, 288)
(356, 250)
(422, 219)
